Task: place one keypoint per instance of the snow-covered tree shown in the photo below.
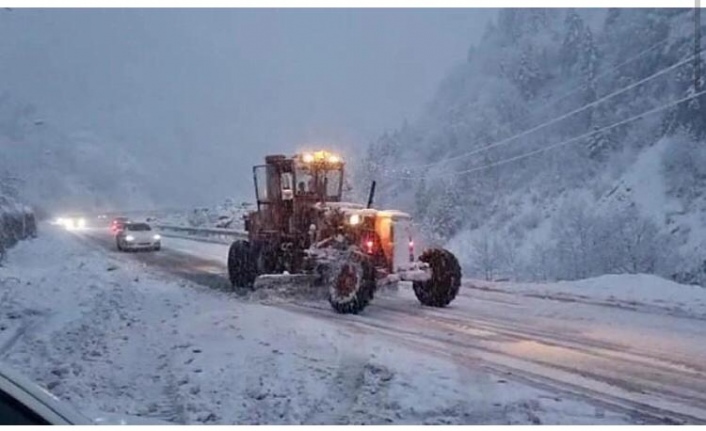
(485, 258)
(445, 218)
(599, 143)
(9, 184)
(685, 166)
(574, 31)
(422, 199)
(575, 236)
(528, 76)
(636, 243)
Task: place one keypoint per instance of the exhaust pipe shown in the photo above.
(371, 196)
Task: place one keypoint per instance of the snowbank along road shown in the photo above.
(162, 335)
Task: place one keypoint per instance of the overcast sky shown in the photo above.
(215, 90)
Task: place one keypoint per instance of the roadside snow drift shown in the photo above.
(632, 291)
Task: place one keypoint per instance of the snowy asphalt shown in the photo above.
(161, 335)
(589, 351)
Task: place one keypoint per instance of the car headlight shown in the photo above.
(129, 238)
(81, 223)
(354, 219)
(156, 237)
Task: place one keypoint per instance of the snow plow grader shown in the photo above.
(301, 228)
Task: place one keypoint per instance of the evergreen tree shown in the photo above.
(599, 143)
(571, 46)
(528, 77)
(421, 198)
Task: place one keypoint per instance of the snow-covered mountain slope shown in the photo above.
(58, 170)
(492, 168)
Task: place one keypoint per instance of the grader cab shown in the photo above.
(302, 227)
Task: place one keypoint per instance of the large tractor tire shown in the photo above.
(242, 265)
(445, 279)
(351, 284)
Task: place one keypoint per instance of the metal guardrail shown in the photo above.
(219, 234)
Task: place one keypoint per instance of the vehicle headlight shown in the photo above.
(129, 238)
(156, 237)
(354, 219)
(81, 223)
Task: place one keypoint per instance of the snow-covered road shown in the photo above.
(160, 334)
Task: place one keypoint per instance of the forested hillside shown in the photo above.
(534, 160)
(63, 171)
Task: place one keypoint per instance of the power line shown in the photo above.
(577, 138)
(572, 113)
(557, 119)
(609, 71)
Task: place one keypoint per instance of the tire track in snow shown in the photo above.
(516, 331)
(649, 408)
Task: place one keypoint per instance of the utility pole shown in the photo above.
(697, 46)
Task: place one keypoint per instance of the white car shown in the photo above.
(23, 402)
(138, 236)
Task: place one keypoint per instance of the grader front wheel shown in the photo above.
(351, 285)
(445, 279)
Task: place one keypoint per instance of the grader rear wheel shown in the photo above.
(445, 279)
(242, 266)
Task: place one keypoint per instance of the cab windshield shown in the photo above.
(315, 182)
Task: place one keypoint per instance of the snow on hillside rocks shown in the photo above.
(17, 222)
(653, 183)
(643, 184)
(227, 214)
(105, 334)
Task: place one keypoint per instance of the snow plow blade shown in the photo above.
(287, 280)
(306, 287)
(287, 287)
